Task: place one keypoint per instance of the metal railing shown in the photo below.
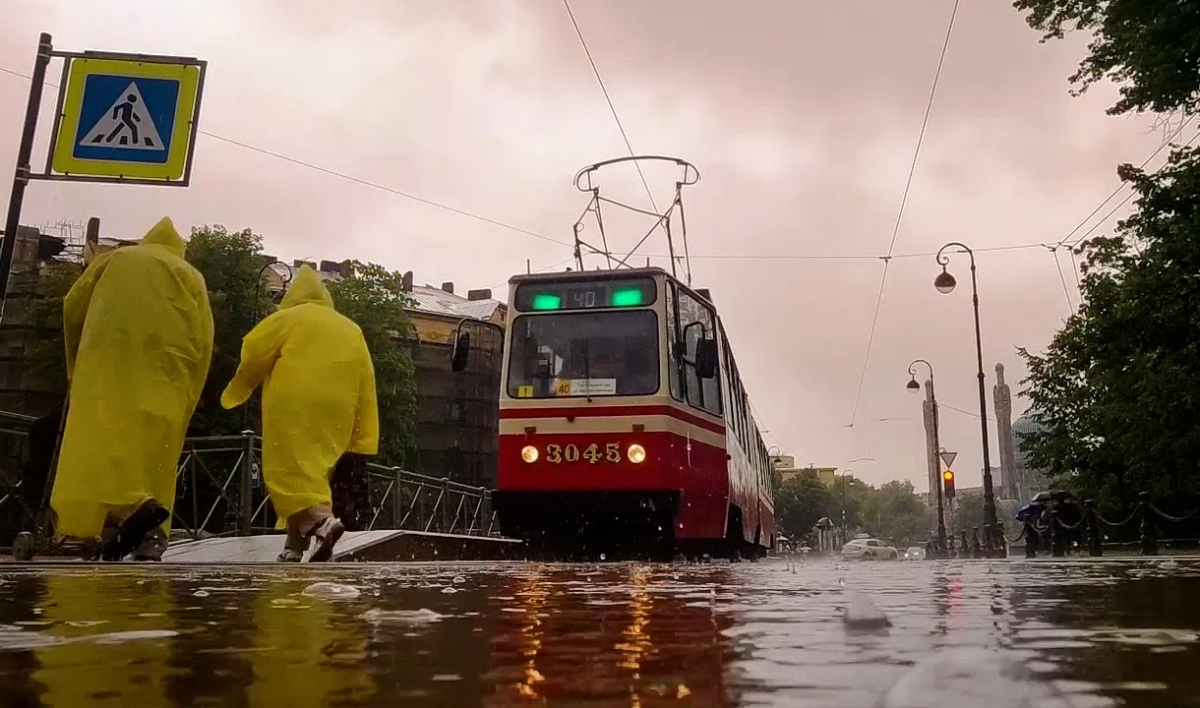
(219, 492)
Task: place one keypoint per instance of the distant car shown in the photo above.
(869, 549)
(914, 553)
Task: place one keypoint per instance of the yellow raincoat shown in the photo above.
(318, 394)
(139, 336)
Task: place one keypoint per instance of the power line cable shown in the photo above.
(611, 106)
(352, 178)
(937, 74)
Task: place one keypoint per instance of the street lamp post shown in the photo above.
(945, 283)
(914, 386)
(845, 480)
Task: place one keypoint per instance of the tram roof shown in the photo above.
(612, 273)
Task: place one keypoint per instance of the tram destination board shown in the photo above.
(585, 295)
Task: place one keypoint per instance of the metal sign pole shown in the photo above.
(21, 177)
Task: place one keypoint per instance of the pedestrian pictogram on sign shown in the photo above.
(127, 119)
(948, 457)
(127, 125)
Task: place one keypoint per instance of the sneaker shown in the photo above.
(133, 530)
(289, 556)
(327, 532)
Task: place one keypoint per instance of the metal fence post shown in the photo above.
(485, 512)
(397, 499)
(1095, 549)
(1148, 531)
(1058, 542)
(245, 484)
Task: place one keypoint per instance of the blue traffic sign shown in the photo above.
(127, 118)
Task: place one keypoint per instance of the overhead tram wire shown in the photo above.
(1062, 242)
(937, 74)
(611, 107)
(1123, 202)
(1122, 186)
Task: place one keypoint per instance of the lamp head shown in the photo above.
(945, 283)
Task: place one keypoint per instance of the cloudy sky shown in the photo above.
(321, 126)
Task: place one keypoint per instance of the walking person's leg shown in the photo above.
(295, 544)
(317, 522)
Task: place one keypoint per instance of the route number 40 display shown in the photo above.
(556, 454)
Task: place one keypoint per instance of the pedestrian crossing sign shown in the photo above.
(122, 120)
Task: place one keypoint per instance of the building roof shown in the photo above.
(1025, 425)
(423, 298)
(439, 302)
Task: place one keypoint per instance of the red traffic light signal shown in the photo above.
(948, 484)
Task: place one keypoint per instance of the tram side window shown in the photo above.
(673, 353)
(730, 391)
(695, 322)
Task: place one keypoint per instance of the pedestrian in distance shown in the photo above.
(318, 404)
(139, 336)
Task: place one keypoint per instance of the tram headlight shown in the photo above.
(529, 454)
(636, 453)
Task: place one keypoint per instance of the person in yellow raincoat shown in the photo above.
(139, 337)
(318, 404)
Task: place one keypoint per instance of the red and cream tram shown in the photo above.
(624, 427)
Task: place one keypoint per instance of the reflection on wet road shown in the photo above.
(770, 633)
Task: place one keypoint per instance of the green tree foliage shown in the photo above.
(968, 513)
(1114, 390)
(374, 298)
(1151, 48)
(892, 512)
(231, 263)
(895, 513)
(799, 503)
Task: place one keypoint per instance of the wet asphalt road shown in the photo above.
(1074, 633)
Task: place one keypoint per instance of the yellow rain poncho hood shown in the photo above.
(138, 333)
(318, 394)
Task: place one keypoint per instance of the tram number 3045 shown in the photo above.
(594, 454)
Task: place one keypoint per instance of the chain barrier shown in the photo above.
(1050, 531)
(1063, 535)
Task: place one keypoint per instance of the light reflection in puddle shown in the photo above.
(715, 634)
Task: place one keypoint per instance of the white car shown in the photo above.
(869, 549)
(914, 553)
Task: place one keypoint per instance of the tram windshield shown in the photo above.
(576, 354)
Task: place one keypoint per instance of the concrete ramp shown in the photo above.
(385, 545)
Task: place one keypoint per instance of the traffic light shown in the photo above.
(948, 484)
